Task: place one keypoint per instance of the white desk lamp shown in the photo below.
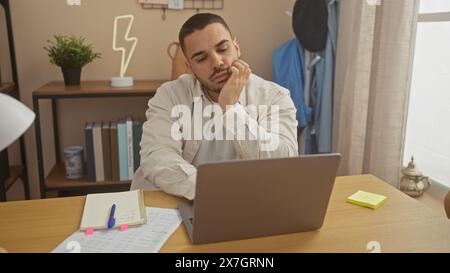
(15, 119)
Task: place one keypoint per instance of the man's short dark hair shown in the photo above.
(198, 22)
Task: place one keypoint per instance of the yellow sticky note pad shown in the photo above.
(366, 199)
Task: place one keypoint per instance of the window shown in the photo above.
(428, 122)
(433, 6)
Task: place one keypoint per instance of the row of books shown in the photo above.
(112, 149)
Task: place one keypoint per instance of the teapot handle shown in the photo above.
(427, 182)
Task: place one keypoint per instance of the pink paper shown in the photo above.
(89, 231)
(123, 227)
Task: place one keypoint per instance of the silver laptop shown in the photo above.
(253, 198)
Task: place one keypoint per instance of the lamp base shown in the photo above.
(121, 81)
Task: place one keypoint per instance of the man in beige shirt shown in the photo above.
(221, 112)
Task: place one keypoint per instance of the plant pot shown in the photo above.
(72, 76)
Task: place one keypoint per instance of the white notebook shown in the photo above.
(129, 210)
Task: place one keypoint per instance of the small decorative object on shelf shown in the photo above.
(71, 54)
(179, 66)
(123, 81)
(413, 183)
(73, 158)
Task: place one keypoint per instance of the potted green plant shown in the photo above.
(70, 53)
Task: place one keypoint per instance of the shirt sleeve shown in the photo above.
(161, 155)
(273, 134)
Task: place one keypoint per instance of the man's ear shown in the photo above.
(236, 45)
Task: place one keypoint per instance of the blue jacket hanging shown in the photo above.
(323, 85)
(288, 72)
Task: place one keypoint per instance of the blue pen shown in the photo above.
(112, 220)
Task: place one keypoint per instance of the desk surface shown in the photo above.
(401, 224)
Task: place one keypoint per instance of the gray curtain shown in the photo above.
(373, 70)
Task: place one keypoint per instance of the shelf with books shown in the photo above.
(56, 180)
(112, 149)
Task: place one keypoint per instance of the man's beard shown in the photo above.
(206, 86)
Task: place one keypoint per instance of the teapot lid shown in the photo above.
(411, 170)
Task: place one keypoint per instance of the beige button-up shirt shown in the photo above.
(166, 161)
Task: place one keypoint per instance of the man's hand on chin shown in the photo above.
(240, 72)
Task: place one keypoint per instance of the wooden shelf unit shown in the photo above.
(11, 88)
(7, 87)
(14, 173)
(56, 180)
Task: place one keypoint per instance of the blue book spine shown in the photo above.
(88, 138)
(123, 153)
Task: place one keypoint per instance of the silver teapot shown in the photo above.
(413, 183)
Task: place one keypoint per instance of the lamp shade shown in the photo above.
(15, 119)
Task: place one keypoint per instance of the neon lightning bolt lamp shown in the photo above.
(122, 80)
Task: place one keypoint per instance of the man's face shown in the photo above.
(210, 53)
